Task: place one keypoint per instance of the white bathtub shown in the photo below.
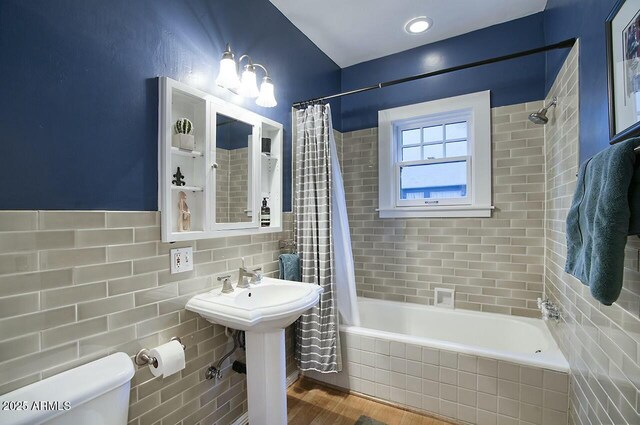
(521, 340)
(463, 366)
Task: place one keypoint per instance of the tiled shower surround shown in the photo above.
(495, 264)
(601, 343)
(76, 286)
(468, 389)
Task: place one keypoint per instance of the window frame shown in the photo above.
(475, 110)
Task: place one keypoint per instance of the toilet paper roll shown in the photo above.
(170, 357)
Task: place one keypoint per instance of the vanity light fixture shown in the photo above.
(418, 25)
(228, 75)
(246, 86)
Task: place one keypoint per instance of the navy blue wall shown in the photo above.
(233, 135)
(584, 19)
(510, 82)
(78, 103)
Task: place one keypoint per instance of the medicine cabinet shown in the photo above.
(217, 162)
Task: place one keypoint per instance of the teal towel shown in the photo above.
(290, 267)
(599, 219)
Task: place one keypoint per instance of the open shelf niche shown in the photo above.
(271, 172)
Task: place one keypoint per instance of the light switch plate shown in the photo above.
(181, 260)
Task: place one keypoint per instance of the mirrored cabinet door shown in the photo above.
(234, 157)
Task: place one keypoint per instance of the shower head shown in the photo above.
(540, 117)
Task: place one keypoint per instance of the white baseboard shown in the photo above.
(244, 419)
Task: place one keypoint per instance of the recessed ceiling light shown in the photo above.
(418, 25)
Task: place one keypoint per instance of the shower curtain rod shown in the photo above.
(561, 45)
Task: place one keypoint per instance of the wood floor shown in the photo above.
(310, 403)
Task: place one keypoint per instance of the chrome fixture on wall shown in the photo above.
(143, 358)
(549, 309)
(246, 85)
(540, 117)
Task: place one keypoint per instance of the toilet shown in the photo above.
(95, 393)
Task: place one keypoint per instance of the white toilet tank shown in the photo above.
(96, 393)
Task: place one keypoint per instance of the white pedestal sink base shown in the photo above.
(266, 377)
(263, 311)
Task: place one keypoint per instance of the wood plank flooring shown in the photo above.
(309, 403)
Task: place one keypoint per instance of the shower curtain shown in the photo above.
(320, 239)
(343, 256)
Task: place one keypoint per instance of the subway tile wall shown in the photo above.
(495, 264)
(76, 286)
(231, 193)
(601, 343)
(455, 386)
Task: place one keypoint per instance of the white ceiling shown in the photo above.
(354, 31)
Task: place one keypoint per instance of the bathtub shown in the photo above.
(461, 365)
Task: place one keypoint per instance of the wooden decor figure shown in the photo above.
(184, 215)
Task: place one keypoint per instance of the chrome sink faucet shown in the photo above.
(248, 276)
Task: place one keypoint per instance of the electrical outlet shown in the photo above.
(181, 260)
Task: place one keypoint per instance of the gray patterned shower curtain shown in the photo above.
(317, 337)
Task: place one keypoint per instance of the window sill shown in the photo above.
(444, 211)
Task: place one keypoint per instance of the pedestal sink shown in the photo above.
(263, 311)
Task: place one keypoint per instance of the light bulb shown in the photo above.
(266, 98)
(228, 74)
(248, 86)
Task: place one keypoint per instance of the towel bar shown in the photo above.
(287, 244)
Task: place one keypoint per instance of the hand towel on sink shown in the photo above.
(599, 219)
(290, 267)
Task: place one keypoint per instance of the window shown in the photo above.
(435, 158)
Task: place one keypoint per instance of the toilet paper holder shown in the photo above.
(143, 358)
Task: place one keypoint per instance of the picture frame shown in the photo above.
(622, 32)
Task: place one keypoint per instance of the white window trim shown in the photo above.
(478, 106)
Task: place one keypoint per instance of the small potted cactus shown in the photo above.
(183, 138)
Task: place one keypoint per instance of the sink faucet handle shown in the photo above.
(242, 259)
(227, 287)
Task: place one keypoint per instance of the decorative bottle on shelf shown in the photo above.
(265, 214)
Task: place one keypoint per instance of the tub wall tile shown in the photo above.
(597, 340)
(78, 285)
(467, 389)
(487, 367)
(494, 264)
